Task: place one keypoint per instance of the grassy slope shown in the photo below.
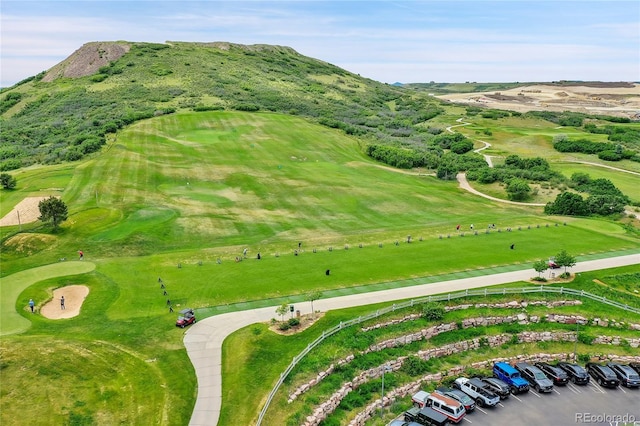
(261, 181)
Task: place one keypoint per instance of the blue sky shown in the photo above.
(389, 41)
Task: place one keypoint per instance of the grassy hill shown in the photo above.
(67, 113)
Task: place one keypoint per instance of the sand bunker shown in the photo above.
(74, 296)
(26, 211)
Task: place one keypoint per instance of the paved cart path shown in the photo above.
(204, 339)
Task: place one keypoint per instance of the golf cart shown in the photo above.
(552, 263)
(187, 317)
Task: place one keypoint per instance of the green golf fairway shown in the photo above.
(12, 285)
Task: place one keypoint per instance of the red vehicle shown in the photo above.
(552, 263)
(187, 317)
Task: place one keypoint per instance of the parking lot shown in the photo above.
(566, 405)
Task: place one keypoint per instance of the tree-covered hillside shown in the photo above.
(63, 116)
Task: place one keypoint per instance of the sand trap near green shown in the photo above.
(12, 285)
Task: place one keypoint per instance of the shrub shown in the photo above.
(433, 311)
(99, 77)
(414, 366)
(585, 339)
(284, 326)
(610, 156)
(584, 358)
(460, 147)
(294, 322)
(7, 181)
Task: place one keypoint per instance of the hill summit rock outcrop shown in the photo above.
(88, 59)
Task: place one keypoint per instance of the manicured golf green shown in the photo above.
(12, 285)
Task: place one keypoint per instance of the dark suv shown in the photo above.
(627, 375)
(635, 366)
(496, 386)
(510, 376)
(535, 377)
(556, 374)
(603, 375)
(576, 373)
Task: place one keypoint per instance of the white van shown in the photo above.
(447, 406)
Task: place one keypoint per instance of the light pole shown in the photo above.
(575, 345)
(386, 368)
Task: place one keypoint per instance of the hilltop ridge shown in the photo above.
(67, 112)
(87, 60)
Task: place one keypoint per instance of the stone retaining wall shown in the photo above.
(507, 305)
(326, 408)
(427, 333)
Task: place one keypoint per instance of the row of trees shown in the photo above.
(604, 198)
(605, 150)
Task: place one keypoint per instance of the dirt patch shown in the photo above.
(74, 296)
(87, 60)
(619, 99)
(306, 321)
(555, 280)
(26, 211)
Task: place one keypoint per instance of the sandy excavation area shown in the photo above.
(616, 99)
(74, 296)
(26, 211)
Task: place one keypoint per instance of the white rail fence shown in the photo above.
(427, 299)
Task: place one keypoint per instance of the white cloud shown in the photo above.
(388, 41)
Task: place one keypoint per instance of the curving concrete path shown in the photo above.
(464, 184)
(204, 339)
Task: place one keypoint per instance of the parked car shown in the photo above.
(576, 373)
(635, 366)
(553, 373)
(510, 376)
(535, 377)
(497, 386)
(187, 317)
(552, 263)
(475, 389)
(628, 376)
(603, 375)
(425, 416)
(464, 399)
